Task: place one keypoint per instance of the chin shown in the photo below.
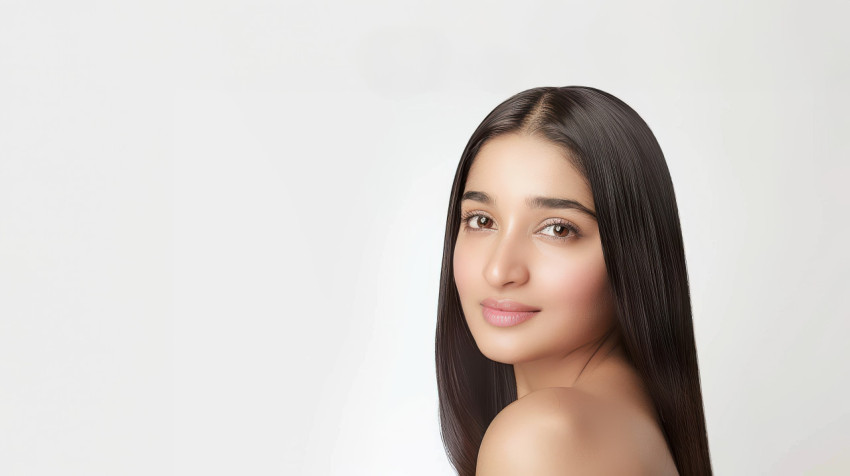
(515, 352)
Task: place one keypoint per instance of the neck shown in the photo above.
(568, 370)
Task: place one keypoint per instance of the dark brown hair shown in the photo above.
(641, 237)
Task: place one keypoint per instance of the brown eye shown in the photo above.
(481, 220)
(563, 230)
(476, 221)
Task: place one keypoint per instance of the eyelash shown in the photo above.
(566, 224)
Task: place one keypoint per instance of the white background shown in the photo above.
(221, 223)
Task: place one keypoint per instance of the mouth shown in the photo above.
(506, 312)
(500, 318)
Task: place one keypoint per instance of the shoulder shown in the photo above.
(558, 431)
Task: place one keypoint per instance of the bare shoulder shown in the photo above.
(563, 431)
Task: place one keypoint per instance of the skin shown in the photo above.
(577, 392)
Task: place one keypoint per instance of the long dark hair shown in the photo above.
(638, 221)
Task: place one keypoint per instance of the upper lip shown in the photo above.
(507, 305)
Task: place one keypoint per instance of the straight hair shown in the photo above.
(621, 161)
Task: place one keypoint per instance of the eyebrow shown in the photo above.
(532, 202)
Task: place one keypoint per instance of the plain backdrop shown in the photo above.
(221, 222)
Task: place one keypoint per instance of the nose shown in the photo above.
(507, 264)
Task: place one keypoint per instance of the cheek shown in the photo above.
(463, 265)
(577, 287)
(467, 263)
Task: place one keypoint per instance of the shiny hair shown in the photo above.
(619, 157)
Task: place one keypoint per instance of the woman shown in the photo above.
(564, 337)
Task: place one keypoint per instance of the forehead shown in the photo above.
(513, 166)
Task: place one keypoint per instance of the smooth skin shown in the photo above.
(581, 407)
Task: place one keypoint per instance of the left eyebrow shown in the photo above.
(534, 202)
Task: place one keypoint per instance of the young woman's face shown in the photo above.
(548, 258)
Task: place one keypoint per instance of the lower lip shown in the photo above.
(506, 318)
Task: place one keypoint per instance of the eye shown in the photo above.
(480, 220)
(563, 229)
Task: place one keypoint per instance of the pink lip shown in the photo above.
(507, 305)
(506, 313)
